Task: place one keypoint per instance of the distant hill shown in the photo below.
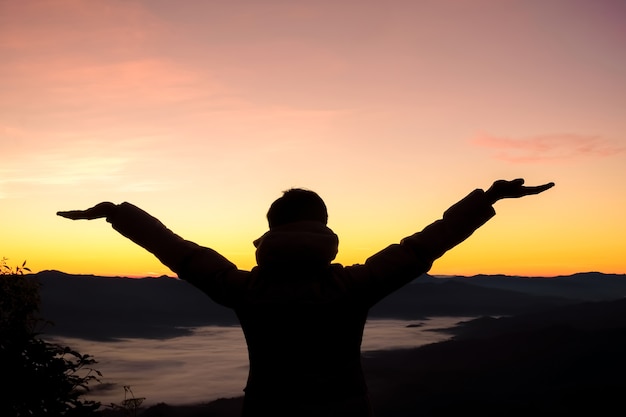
(588, 286)
(97, 307)
(442, 297)
(564, 361)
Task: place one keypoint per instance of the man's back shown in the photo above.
(303, 329)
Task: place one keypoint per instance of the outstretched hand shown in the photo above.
(98, 211)
(513, 189)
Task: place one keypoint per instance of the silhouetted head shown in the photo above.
(297, 204)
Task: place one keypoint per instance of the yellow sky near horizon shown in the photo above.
(202, 112)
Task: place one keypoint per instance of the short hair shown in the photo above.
(297, 204)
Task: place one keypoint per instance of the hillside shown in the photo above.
(96, 307)
(567, 360)
(540, 347)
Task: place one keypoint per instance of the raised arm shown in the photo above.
(201, 266)
(400, 263)
(469, 214)
(148, 232)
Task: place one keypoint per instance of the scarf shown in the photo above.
(298, 243)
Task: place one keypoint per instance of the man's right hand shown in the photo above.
(98, 211)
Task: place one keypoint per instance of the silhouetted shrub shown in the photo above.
(39, 378)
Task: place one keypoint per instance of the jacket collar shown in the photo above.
(298, 243)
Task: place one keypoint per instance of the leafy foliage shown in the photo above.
(131, 405)
(19, 301)
(41, 378)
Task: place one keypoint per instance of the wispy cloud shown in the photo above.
(543, 148)
(56, 170)
(89, 163)
(93, 60)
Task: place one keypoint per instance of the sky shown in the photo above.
(203, 112)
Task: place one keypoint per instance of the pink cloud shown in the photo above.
(76, 52)
(54, 25)
(542, 148)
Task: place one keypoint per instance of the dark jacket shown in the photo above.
(302, 315)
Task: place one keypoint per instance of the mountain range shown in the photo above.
(96, 307)
(540, 346)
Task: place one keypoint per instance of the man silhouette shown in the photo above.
(302, 315)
